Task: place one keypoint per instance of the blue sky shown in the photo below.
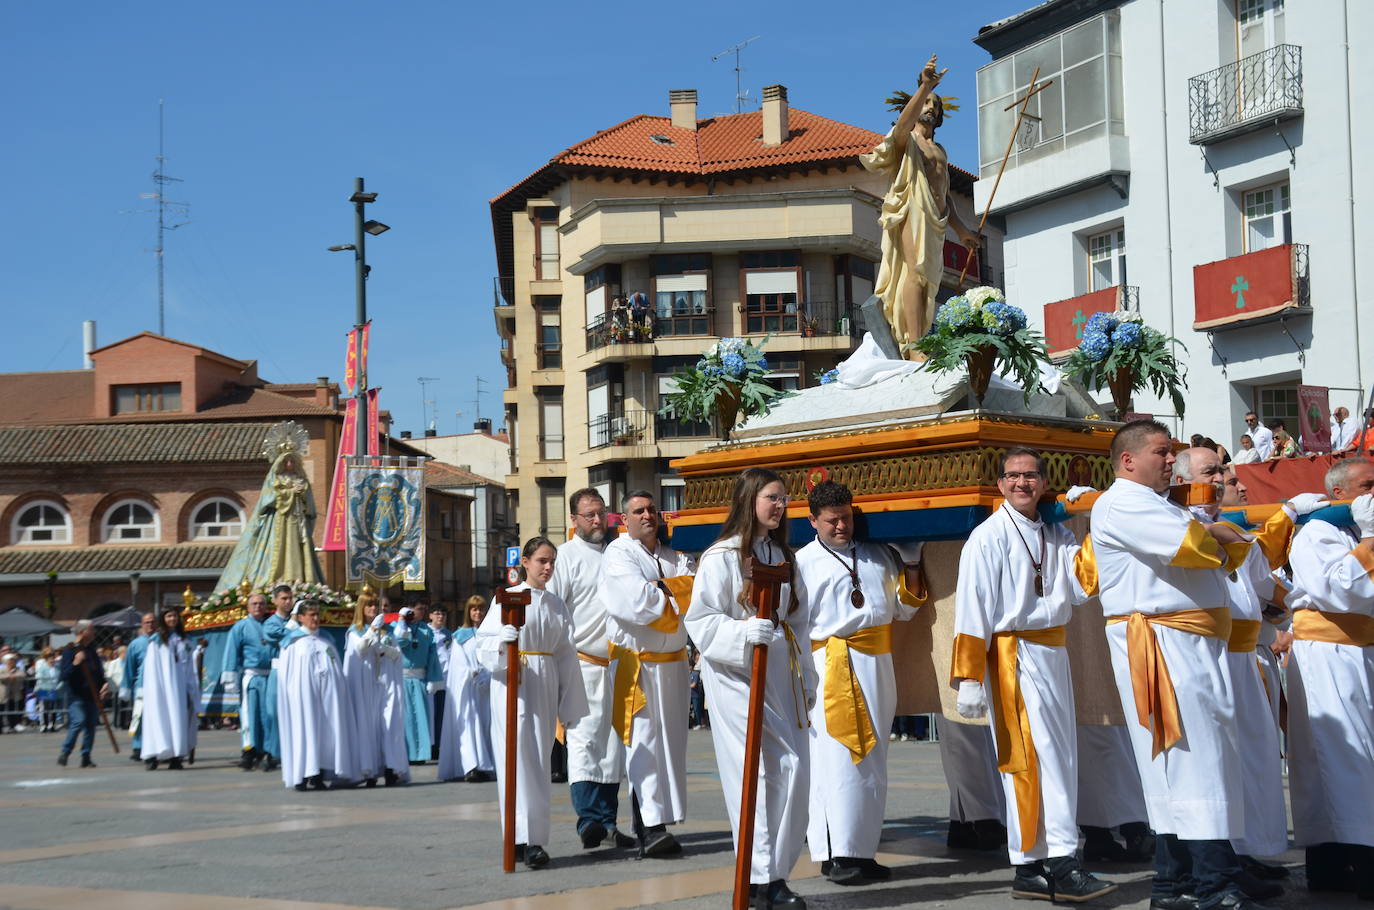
(273, 108)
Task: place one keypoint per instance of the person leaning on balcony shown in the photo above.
(1285, 446)
(1248, 454)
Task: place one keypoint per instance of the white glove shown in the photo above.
(377, 622)
(758, 631)
(125, 694)
(1362, 510)
(973, 702)
(1305, 504)
(510, 633)
(1075, 492)
(292, 625)
(401, 630)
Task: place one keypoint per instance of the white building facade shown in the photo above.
(1214, 141)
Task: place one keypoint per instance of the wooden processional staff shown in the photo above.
(513, 605)
(767, 584)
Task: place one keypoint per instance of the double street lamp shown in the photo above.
(362, 227)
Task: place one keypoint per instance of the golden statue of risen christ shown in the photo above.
(915, 212)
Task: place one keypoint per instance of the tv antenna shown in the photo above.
(163, 210)
(427, 403)
(741, 96)
(477, 399)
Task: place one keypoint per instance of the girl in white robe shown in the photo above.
(725, 631)
(171, 695)
(313, 715)
(550, 689)
(465, 738)
(372, 670)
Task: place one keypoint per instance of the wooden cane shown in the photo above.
(513, 605)
(95, 697)
(767, 581)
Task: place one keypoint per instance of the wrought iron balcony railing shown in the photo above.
(633, 427)
(1260, 89)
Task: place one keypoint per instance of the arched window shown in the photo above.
(130, 520)
(216, 519)
(41, 522)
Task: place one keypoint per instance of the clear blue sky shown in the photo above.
(273, 108)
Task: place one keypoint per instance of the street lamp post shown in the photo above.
(361, 228)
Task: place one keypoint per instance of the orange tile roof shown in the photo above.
(443, 474)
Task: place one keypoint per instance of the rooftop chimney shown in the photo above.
(774, 114)
(405, 434)
(431, 431)
(682, 102)
(482, 425)
(88, 343)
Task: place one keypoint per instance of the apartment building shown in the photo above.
(1217, 140)
(759, 224)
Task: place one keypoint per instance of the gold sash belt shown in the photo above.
(628, 698)
(1244, 635)
(846, 711)
(1156, 704)
(680, 589)
(593, 659)
(1337, 628)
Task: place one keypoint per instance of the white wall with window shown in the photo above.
(1106, 259)
(546, 243)
(1268, 216)
(550, 423)
(216, 519)
(130, 520)
(44, 521)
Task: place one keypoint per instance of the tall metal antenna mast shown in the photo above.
(477, 400)
(741, 96)
(164, 207)
(426, 401)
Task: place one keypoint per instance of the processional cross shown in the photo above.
(1021, 104)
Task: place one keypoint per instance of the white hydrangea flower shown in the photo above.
(713, 350)
(983, 294)
(1128, 316)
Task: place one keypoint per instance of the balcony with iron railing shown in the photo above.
(1251, 289)
(1065, 319)
(627, 428)
(1256, 91)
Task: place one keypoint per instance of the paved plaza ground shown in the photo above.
(212, 837)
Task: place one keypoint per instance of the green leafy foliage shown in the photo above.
(731, 365)
(1146, 355)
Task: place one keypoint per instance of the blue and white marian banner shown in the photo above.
(386, 521)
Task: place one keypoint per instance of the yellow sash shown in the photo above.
(1244, 635)
(1337, 628)
(1156, 704)
(680, 587)
(628, 698)
(846, 711)
(593, 659)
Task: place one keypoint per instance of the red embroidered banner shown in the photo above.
(1065, 319)
(1244, 287)
(335, 516)
(1314, 418)
(373, 421)
(351, 362)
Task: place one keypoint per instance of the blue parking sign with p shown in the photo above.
(512, 556)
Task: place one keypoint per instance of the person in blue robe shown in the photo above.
(132, 682)
(423, 675)
(274, 631)
(248, 654)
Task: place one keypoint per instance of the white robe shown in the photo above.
(1194, 789)
(1330, 697)
(996, 593)
(550, 689)
(848, 800)
(465, 740)
(171, 699)
(1109, 791)
(313, 715)
(595, 753)
(715, 623)
(376, 694)
(656, 758)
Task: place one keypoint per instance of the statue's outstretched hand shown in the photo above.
(930, 76)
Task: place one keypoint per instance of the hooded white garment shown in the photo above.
(465, 738)
(171, 699)
(656, 757)
(376, 694)
(314, 718)
(848, 799)
(550, 690)
(595, 752)
(715, 622)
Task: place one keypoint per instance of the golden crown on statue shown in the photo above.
(285, 438)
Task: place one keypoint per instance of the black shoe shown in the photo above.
(1032, 882)
(845, 871)
(174, 764)
(623, 840)
(317, 782)
(246, 760)
(370, 782)
(134, 756)
(536, 857)
(62, 759)
(1071, 883)
(300, 787)
(875, 870)
(1175, 902)
(1140, 842)
(1100, 847)
(991, 834)
(1238, 901)
(592, 834)
(270, 764)
(961, 836)
(191, 759)
(150, 764)
(1263, 870)
(777, 894)
(86, 761)
(475, 777)
(392, 778)
(1256, 889)
(658, 842)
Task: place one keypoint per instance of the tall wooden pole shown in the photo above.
(513, 605)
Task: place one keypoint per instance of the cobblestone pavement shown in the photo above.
(212, 837)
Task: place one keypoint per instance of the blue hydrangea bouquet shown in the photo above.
(727, 382)
(979, 330)
(1118, 350)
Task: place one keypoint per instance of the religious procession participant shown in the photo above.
(248, 657)
(376, 695)
(549, 688)
(648, 650)
(443, 644)
(465, 742)
(423, 677)
(1331, 689)
(1168, 624)
(131, 685)
(1015, 596)
(171, 695)
(726, 631)
(81, 670)
(316, 722)
(275, 630)
(596, 756)
(854, 592)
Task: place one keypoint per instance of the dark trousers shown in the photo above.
(595, 802)
(439, 705)
(1206, 868)
(81, 718)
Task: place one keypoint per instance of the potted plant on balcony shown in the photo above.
(1118, 350)
(727, 382)
(977, 331)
